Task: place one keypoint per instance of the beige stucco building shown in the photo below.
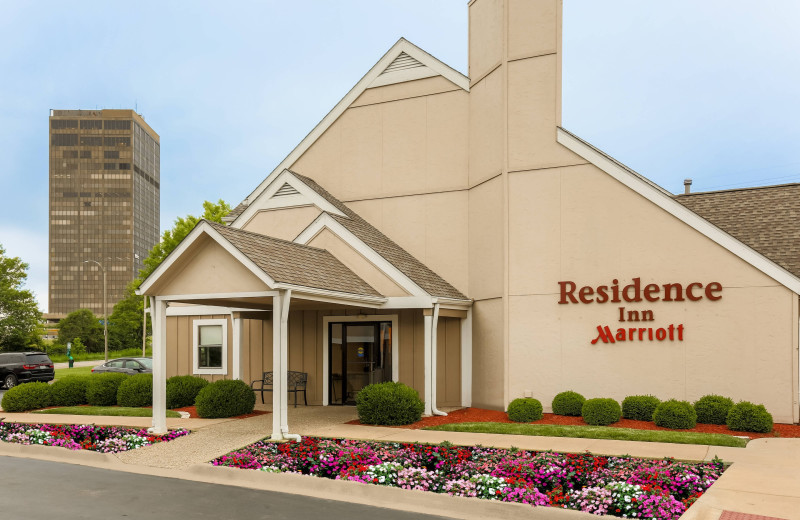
(444, 231)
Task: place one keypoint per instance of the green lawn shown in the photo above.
(105, 410)
(595, 432)
(74, 371)
(97, 356)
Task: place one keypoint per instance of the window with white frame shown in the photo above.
(210, 351)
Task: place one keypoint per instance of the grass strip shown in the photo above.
(117, 411)
(74, 371)
(595, 432)
(97, 356)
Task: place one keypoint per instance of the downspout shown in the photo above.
(434, 337)
(286, 297)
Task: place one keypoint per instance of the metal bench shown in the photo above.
(295, 382)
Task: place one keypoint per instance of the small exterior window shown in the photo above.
(210, 350)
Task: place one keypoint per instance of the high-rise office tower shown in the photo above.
(104, 205)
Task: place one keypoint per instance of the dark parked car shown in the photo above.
(138, 365)
(22, 367)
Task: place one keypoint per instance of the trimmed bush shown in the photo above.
(183, 390)
(525, 410)
(388, 404)
(568, 403)
(27, 396)
(674, 414)
(225, 398)
(742, 417)
(101, 389)
(69, 391)
(601, 412)
(712, 409)
(136, 391)
(639, 407)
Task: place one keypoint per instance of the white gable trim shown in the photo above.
(191, 238)
(664, 200)
(325, 221)
(369, 78)
(267, 200)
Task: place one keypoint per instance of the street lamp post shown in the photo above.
(105, 304)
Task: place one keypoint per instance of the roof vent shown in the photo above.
(286, 189)
(687, 186)
(402, 62)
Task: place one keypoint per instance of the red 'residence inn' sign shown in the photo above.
(634, 292)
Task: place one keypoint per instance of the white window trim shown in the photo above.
(196, 343)
(393, 318)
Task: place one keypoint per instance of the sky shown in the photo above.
(681, 89)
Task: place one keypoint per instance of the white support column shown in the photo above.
(277, 420)
(159, 309)
(286, 297)
(466, 359)
(237, 346)
(426, 355)
(434, 359)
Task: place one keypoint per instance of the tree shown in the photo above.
(20, 317)
(85, 325)
(125, 322)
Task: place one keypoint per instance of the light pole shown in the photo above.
(105, 304)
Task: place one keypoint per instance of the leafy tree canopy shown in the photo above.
(85, 325)
(20, 318)
(125, 323)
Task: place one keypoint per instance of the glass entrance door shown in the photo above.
(360, 354)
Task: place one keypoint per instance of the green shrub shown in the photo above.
(27, 396)
(568, 403)
(525, 410)
(101, 390)
(183, 390)
(674, 414)
(742, 417)
(225, 398)
(601, 412)
(639, 407)
(69, 391)
(136, 391)
(388, 404)
(712, 409)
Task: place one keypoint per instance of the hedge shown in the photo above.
(674, 414)
(568, 403)
(27, 396)
(525, 410)
(225, 398)
(136, 391)
(388, 404)
(183, 390)
(639, 407)
(601, 412)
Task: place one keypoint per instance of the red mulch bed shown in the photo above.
(482, 415)
(192, 410)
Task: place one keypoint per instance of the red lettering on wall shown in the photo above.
(567, 292)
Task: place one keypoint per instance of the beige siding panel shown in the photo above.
(485, 36)
(405, 90)
(310, 357)
(266, 342)
(486, 240)
(532, 27)
(447, 142)
(406, 346)
(487, 356)
(486, 128)
(284, 223)
(172, 346)
(452, 362)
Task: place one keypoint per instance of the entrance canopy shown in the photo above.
(337, 260)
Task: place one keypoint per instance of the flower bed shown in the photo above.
(105, 439)
(618, 486)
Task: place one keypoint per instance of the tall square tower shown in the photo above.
(104, 205)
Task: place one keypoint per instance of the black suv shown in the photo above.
(22, 367)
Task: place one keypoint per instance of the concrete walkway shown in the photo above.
(764, 478)
(93, 363)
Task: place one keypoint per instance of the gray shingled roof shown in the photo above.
(297, 264)
(418, 272)
(766, 218)
(235, 212)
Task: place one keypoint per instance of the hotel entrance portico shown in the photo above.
(233, 304)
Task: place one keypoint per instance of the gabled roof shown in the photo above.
(666, 201)
(279, 263)
(418, 272)
(403, 62)
(296, 264)
(766, 218)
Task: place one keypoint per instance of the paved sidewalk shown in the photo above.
(93, 363)
(763, 480)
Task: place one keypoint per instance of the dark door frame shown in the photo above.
(343, 378)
